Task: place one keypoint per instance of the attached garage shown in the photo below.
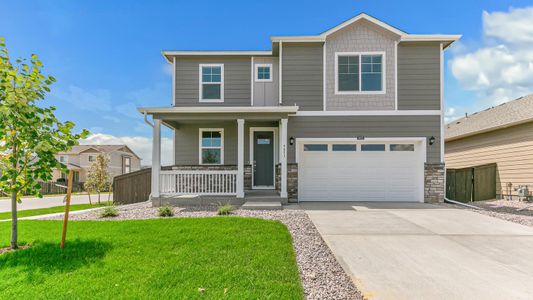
(377, 169)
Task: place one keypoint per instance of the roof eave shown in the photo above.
(224, 109)
(490, 129)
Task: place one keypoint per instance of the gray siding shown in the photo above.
(418, 76)
(302, 79)
(237, 80)
(368, 126)
(187, 141)
(361, 36)
(267, 93)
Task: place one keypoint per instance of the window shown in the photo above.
(62, 159)
(315, 147)
(92, 158)
(344, 147)
(126, 165)
(402, 147)
(263, 72)
(211, 83)
(373, 147)
(359, 73)
(211, 146)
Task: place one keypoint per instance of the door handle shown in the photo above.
(254, 165)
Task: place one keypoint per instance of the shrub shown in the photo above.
(166, 211)
(225, 209)
(109, 212)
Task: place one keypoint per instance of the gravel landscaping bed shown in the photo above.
(503, 209)
(321, 274)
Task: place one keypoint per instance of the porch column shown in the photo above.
(283, 156)
(240, 158)
(156, 158)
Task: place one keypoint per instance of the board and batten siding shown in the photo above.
(419, 76)
(367, 126)
(187, 145)
(237, 80)
(266, 93)
(510, 148)
(302, 79)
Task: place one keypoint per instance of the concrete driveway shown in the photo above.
(422, 251)
(33, 203)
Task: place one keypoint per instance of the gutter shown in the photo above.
(462, 204)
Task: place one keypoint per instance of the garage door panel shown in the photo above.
(360, 175)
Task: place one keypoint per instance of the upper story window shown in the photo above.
(359, 73)
(211, 146)
(263, 72)
(126, 164)
(62, 159)
(211, 83)
(92, 158)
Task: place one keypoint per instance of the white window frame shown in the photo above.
(360, 92)
(257, 66)
(89, 158)
(63, 159)
(200, 83)
(126, 167)
(200, 148)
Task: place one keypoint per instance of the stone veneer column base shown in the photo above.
(292, 181)
(434, 182)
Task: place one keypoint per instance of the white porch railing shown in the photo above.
(198, 182)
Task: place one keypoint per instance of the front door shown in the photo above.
(263, 159)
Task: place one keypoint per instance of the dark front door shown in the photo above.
(263, 158)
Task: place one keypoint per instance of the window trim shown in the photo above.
(124, 165)
(360, 92)
(200, 148)
(256, 70)
(64, 160)
(201, 83)
(89, 158)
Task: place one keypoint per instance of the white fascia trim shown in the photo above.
(200, 83)
(186, 53)
(368, 113)
(200, 147)
(295, 38)
(365, 17)
(430, 37)
(361, 92)
(441, 138)
(224, 109)
(256, 69)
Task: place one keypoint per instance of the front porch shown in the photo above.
(221, 155)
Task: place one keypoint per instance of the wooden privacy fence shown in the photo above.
(471, 184)
(132, 187)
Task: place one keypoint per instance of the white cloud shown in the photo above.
(97, 100)
(451, 114)
(142, 146)
(502, 70)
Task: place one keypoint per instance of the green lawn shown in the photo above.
(49, 210)
(152, 259)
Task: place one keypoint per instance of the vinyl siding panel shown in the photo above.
(302, 79)
(510, 148)
(237, 80)
(419, 76)
(368, 126)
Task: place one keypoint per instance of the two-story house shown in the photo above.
(80, 158)
(352, 114)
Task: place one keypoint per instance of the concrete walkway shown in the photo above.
(422, 251)
(33, 203)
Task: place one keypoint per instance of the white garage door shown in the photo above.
(361, 171)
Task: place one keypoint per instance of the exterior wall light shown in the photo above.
(431, 140)
(291, 141)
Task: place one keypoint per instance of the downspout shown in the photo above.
(462, 204)
(146, 119)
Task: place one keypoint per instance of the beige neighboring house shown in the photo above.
(502, 135)
(122, 160)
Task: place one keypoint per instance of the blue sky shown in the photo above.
(106, 54)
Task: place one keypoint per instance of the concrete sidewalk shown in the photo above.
(34, 203)
(422, 251)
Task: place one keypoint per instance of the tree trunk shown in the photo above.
(89, 194)
(99, 198)
(14, 233)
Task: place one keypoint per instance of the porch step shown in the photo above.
(270, 205)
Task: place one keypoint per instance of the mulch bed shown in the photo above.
(8, 249)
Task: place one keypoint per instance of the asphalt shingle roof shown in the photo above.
(507, 114)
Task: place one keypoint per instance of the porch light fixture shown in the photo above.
(291, 141)
(431, 140)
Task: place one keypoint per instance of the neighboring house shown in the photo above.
(122, 160)
(502, 135)
(352, 114)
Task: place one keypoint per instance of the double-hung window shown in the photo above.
(211, 146)
(359, 73)
(263, 72)
(211, 83)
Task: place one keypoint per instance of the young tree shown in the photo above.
(30, 134)
(98, 179)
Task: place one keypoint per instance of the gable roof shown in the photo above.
(508, 114)
(78, 149)
(363, 16)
